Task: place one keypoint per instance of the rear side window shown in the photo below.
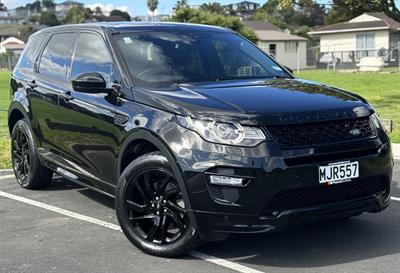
(28, 57)
(55, 56)
(91, 55)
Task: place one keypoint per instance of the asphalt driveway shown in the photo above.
(68, 228)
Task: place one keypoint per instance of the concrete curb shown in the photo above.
(396, 150)
(6, 171)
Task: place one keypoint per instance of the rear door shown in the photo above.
(51, 73)
(88, 138)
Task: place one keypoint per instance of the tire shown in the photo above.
(150, 207)
(28, 169)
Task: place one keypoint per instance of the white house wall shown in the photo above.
(285, 58)
(348, 41)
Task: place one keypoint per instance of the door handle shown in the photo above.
(67, 95)
(32, 84)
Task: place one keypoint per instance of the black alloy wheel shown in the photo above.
(155, 206)
(21, 154)
(28, 169)
(151, 209)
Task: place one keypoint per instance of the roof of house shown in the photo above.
(381, 21)
(103, 18)
(12, 43)
(9, 30)
(260, 25)
(268, 32)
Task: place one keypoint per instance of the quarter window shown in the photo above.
(91, 55)
(55, 56)
(28, 57)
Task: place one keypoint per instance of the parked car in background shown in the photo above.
(193, 130)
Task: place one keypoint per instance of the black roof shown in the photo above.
(136, 26)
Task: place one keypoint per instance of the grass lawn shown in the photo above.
(381, 90)
(4, 136)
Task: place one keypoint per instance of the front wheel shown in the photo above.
(151, 210)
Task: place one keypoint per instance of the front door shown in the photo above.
(88, 141)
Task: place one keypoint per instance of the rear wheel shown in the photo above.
(29, 171)
(151, 210)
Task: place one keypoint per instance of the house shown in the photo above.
(17, 20)
(243, 6)
(67, 5)
(244, 9)
(104, 18)
(289, 50)
(371, 34)
(63, 8)
(7, 31)
(12, 44)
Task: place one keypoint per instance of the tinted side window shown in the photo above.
(56, 54)
(91, 55)
(27, 59)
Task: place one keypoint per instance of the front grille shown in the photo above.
(325, 194)
(321, 132)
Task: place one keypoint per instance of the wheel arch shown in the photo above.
(147, 136)
(16, 112)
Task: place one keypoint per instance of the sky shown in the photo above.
(135, 7)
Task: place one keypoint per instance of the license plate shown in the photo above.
(339, 172)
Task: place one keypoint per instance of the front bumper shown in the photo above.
(272, 171)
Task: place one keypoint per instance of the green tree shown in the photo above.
(120, 13)
(302, 13)
(2, 7)
(344, 10)
(98, 11)
(198, 16)
(76, 15)
(25, 31)
(34, 7)
(181, 4)
(152, 5)
(212, 7)
(48, 18)
(48, 4)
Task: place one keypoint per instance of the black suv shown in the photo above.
(195, 131)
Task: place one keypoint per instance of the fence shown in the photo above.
(349, 59)
(8, 60)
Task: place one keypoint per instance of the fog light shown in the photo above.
(226, 180)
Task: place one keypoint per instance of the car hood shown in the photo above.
(277, 101)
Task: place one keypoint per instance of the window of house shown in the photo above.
(365, 41)
(55, 56)
(272, 49)
(290, 47)
(91, 55)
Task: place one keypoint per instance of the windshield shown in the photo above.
(159, 58)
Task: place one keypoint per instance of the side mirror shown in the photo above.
(89, 82)
(288, 69)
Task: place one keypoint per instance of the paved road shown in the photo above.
(34, 239)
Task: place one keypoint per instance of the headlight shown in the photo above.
(376, 121)
(223, 133)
